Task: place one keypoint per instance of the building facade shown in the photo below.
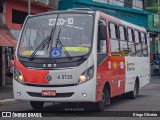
(154, 7)
(135, 4)
(12, 16)
(128, 11)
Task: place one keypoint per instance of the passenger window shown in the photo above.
(143, 38)
(113, 39)
(113, 31)
(144, 44)
(131, 44)
(136, 36)
(122, 33)
(137, 43)
(130, 35)
(123, 42)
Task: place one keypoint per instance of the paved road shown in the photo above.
(148, 100)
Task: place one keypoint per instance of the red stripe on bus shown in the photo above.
(32, 76)
(110, 18)
(112, 71)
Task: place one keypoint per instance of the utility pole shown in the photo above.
(29, 7)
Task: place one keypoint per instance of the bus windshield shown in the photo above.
(73, 31)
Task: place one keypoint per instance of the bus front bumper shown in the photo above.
(80, 93)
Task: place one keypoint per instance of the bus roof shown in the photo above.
(122, 22)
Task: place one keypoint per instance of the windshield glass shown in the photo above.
(74, 31)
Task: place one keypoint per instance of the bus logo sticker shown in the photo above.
(119, 83)
(56, 52)
(115, 65)
(48, 78)
(122, 65)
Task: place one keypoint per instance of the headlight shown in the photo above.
(87, 75)
(18, 76)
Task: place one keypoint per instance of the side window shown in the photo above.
(131, 44)
(136, 36)
(144, 44)
(122, 33)
(114, 39)
(137, 43)
(102, 46)
(123, 41)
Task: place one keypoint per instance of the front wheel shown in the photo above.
(105, 100)
(36, 104)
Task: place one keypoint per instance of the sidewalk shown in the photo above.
(6, 96)
(6, 93)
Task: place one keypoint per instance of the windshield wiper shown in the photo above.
(46, 41)
(42, 45)
(61, 45)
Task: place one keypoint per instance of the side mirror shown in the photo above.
(101, 31)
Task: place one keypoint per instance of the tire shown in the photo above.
(156, 72)
(133, 94)
(36, 104)
(105, 100)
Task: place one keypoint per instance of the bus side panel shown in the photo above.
(113, 71)
(136, 67)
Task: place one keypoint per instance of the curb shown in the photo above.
(10, 102)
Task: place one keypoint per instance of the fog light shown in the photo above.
(18, 93)
(84, 94)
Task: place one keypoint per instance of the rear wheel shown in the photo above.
(36, 104)
(133, 94)
(105, 100)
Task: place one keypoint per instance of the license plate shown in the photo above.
(48, 93)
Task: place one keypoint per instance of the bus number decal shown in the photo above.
(63, 77)
(52, 21)
(61, 21)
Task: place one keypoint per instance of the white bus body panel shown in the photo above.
(141, 66)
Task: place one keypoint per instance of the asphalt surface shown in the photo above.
(147, 101)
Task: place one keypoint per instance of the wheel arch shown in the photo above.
(107, 86)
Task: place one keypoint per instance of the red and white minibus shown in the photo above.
(79, 56)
